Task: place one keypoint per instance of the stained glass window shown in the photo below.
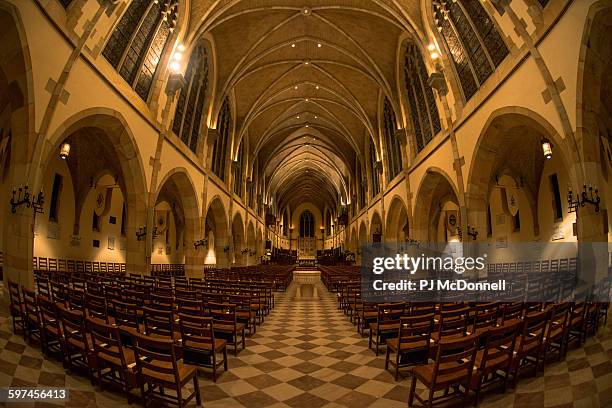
(475, 45)
(394, 149)
(421, 101)
(238, 168)
(220, 146)
(191, 99)
(136, 45)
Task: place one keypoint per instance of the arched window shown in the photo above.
(374, 165)
(394, 149)
(190, 105)
(220, 147)
(307, 226)
(423, 109)
(138, 41)
(328, 224)
(475, 45)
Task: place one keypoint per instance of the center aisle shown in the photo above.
(306, 354)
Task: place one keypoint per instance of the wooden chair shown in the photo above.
(556, 331)
(43, 287)
(512, 311)
(200, 346)
(159, 323)
(494, 361)
(485, 317)
(576, 326)
(452, 369)
(412, 343)
(227, 325)
(50, 326)
(126, 315)
(77, 341)
(113, 363)
(96, 306)
(528, 349)
(31, 314)
(387, 323)
(16, 307)
(191, 307)
(159, 371)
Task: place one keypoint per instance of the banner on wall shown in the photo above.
(452, 221)
(509, 200)
(161, 221)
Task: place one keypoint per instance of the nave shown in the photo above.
(307, 353)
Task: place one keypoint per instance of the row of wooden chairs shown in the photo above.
(41, 264)
(168, 269)
(85, 342)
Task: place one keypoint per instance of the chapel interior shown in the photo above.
(189, 190)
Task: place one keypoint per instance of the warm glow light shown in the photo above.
(293, 45)
(175, 66)
(547, 149)
(180, 48)
(319, 45)
(431, 47)
(434, 55)
(317, 86)
(295, 87)
(177, 56)
(64, 150)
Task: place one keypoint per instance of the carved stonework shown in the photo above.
(400, 134)
(438, 82)
(213, 135)
(175, 82)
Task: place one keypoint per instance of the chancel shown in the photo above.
(305, 203)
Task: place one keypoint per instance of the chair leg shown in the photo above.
(387, 358)
(197, 390)
(412, 391)
(214, 365)
(225, 358)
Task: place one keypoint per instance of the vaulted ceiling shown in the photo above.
(306, 78)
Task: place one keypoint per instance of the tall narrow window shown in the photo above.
(516, 222)
(489, 222)
(475, 45)
(307, 226)
(65, 3)
(191, 99)
(238, 169)
(55, 197)
(361, 187)
(95, 222)
(543, 3)
(423, 109)
(138, 41)
(123, 220)
(394, 149)
(220, 146)
(375, 174)
(556, 193)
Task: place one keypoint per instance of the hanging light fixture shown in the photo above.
(547, 149)
(64, 150)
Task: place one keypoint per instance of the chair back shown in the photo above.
(29, 304)
(96, 306)
(106, 342)
(15, 298)
(126, 314)
(158, 322)
(512, 311)
(534, 327)
(422, 308)
(499, 345)
(485, 315)
(416, 330)
(197, 332)
(455, 358)
(557, 321)
(156, 356)
(73, 328)
(223, 313)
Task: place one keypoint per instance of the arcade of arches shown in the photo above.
(227, 134)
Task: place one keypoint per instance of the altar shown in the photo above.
(306, 282)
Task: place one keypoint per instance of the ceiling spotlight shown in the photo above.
(307, 100)
(181, 47)
(306, 11)
(319, 45)
(295, 87)
(431, 47)
(307, 126)
(293, 45)
(298, 116)
(434, 55)
(316, 116)
(317, 87)
(64, 150)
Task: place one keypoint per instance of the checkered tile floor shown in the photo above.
(308, 354)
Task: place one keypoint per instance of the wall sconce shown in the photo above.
(200, 243)
(589, 195)
(22, 196)
(471, 231)
(547, 149)
(64, 150)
